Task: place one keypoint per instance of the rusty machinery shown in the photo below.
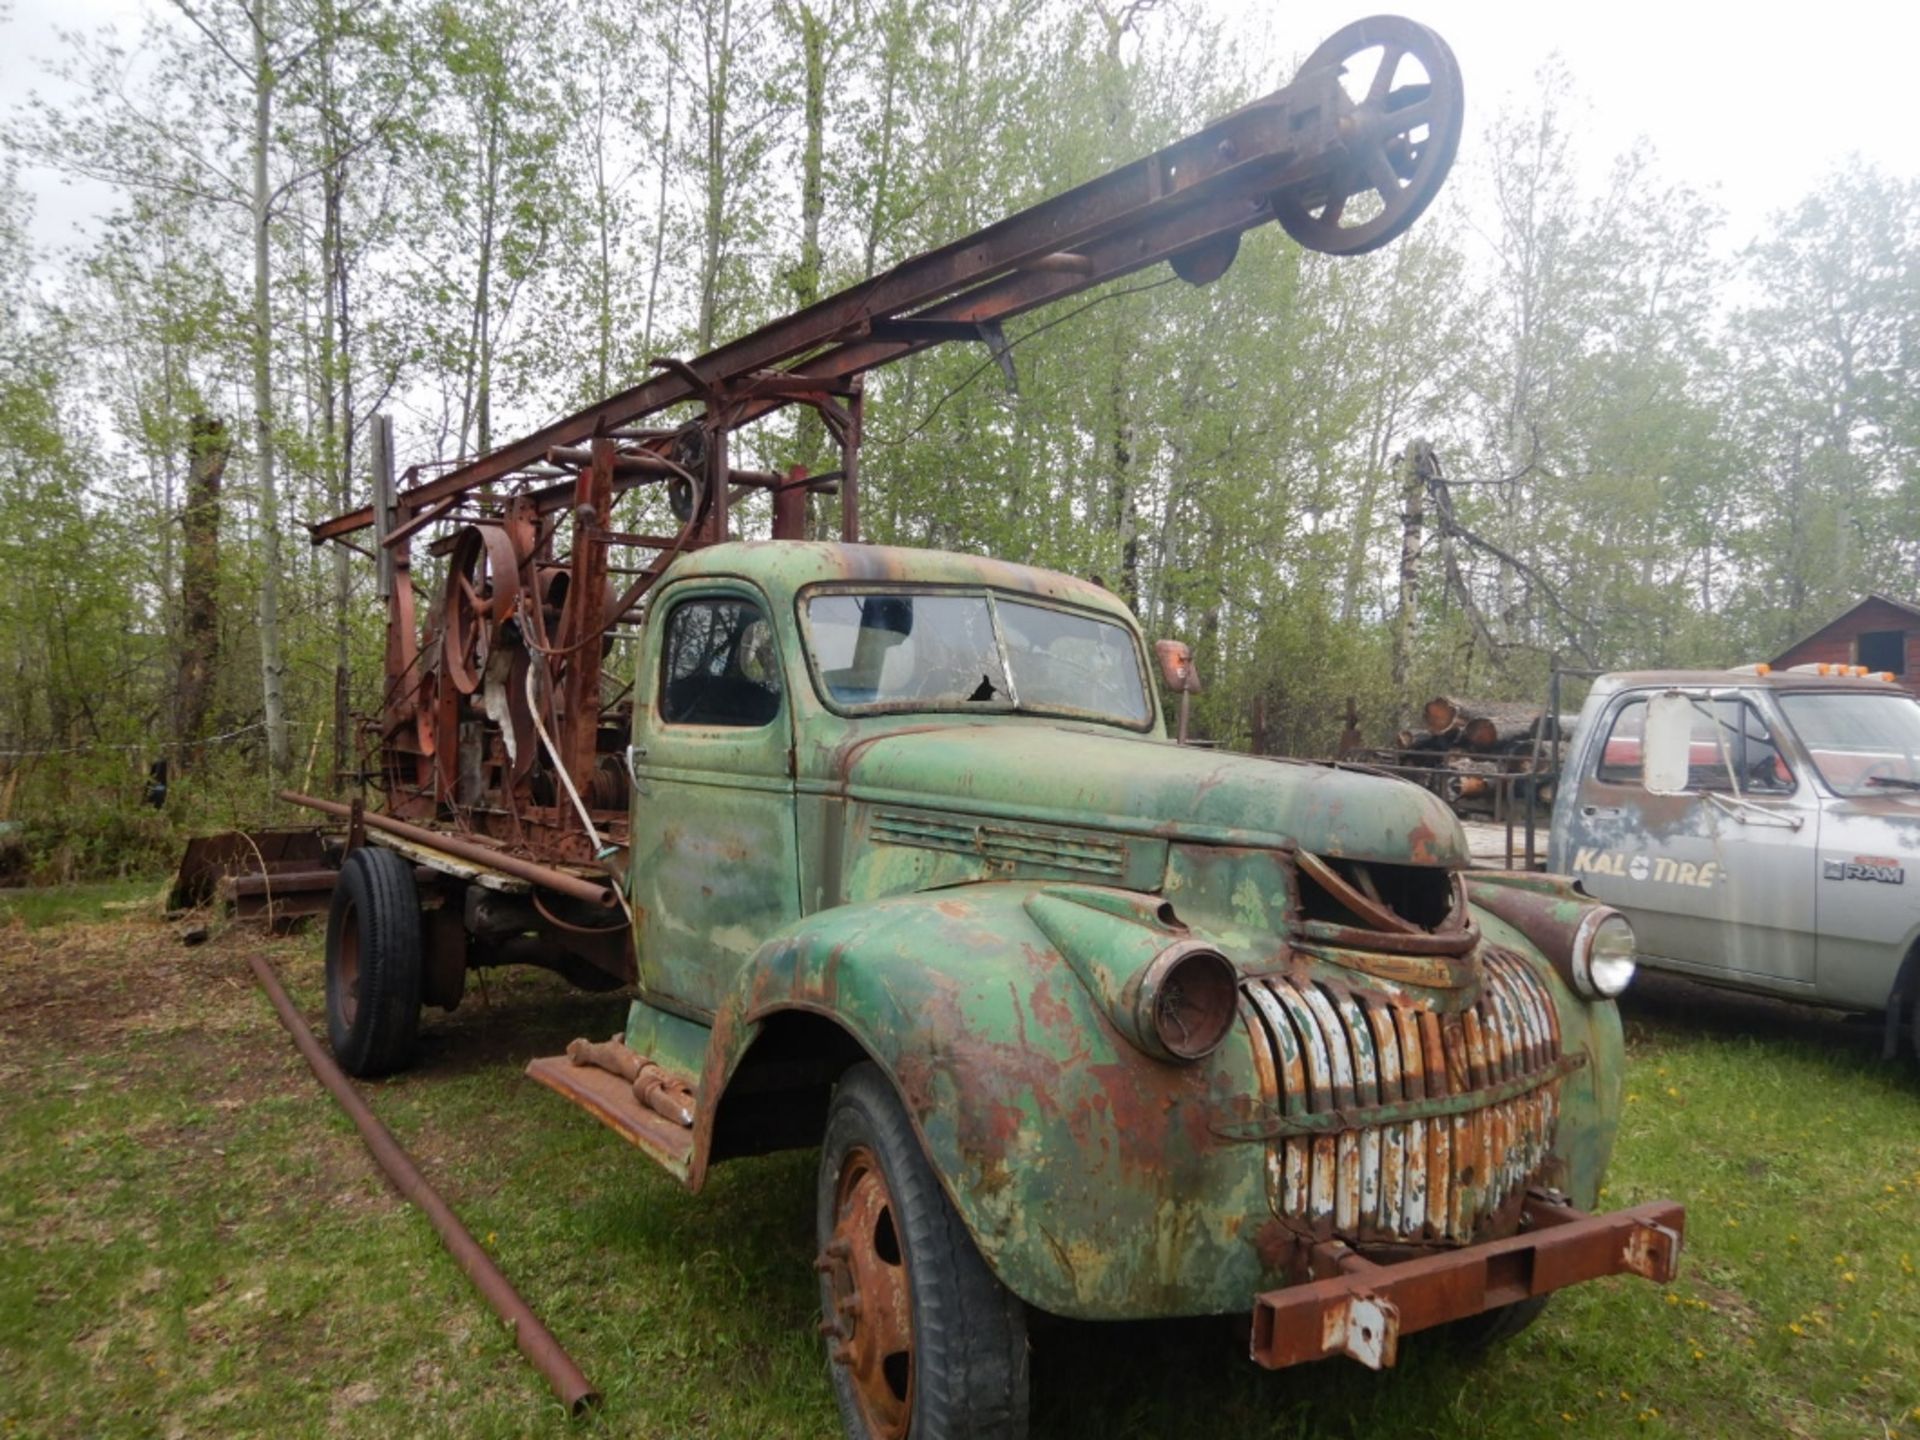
(497, 720)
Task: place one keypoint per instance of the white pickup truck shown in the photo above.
(1758, 827)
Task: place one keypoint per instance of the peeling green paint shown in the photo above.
(969, 898)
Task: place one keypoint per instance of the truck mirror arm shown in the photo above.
(1748, 813)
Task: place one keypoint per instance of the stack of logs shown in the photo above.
(1468, 745)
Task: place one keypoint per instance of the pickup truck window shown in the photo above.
(1860, 744)
(1732, 750)
(929, 650)
(719, 666)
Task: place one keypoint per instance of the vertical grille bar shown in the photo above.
(1322, 1049)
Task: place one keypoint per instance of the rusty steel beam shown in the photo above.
(1304, 145)
(1361, 1309)
(536, 1342)
(546, 876)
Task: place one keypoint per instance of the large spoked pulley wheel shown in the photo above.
(923, 1342)
(482, 589)
(373, 963)
(1400, 108)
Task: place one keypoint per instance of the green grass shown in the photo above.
(37, 908)
(193, 1242)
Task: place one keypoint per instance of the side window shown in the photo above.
(1621, 758)
(1733, 750)
(1729, 739)
(719, 666)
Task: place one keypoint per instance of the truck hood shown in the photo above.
(1085, 779)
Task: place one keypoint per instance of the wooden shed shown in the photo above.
(1878, 633)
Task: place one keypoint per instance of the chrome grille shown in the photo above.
(1378, 1134)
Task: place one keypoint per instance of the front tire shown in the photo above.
(373, 964)
(923, 1341)
(1478, 1334)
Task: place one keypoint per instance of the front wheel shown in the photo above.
(924, 1342)
(1479, 1333)
(373, 963)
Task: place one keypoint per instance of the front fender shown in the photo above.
(1087, 1172)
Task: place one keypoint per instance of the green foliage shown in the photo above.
(208, 1246)
(483, 213)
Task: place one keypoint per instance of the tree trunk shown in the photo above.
(719, 67)
(883, 165)
(336, 353)
(1123, 515)
(199, 584)
(1413, 514)
(272, 670)
(660, 203)
(810, 431)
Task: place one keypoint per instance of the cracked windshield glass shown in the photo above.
(905, 650)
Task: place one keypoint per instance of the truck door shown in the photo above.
(1614, 851)
(1720, 877)
(714, 859)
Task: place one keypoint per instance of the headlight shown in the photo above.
(1187, 998)
(1603, 950)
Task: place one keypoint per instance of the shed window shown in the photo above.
(1884, 650)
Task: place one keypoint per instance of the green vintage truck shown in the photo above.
(1082, 1020)
(896, 858)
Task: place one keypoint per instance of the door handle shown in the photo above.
(1594, 811)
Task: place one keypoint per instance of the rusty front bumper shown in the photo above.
(1361, 1309)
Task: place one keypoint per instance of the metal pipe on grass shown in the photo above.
(536, 1342)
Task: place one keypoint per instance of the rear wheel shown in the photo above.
(373, 963)
(924, 1343)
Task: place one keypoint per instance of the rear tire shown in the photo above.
(926, 1344)
(373, 964)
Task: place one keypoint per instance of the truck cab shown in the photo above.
(1082, 1020)
(1775, 855)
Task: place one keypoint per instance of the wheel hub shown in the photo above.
(869, 1320)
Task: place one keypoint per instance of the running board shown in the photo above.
(611, 1100)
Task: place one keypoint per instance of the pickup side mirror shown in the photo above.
(892, 614)
(1668, 743)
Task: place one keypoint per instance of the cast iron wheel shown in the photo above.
(923, 1341)
(373, 963)
(1398, 138)
(1479, 1333)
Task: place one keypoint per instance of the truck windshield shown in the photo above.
(1860, 744)
(935, 650)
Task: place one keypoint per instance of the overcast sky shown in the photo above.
(1753, 103)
